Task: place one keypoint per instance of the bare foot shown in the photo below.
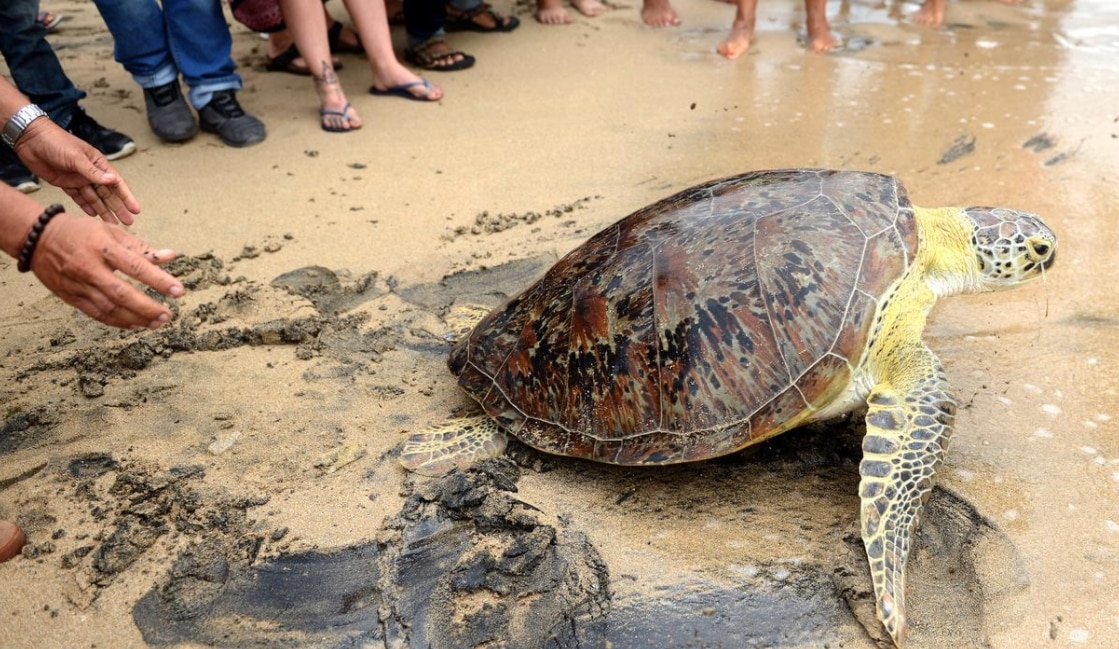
(825, 42)
(820, 38)
(737, 42)
(551, 12)
(659, 13)
(337, 113)
(931, 13)
(399, 77)
(592, 8)
(436, 54)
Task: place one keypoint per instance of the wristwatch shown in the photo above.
(19, 123)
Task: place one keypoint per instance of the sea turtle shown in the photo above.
(737, 310)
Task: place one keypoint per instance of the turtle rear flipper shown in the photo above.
(457, 444)
(908, 424)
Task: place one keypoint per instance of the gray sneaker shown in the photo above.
(168, 113)
(224, 116)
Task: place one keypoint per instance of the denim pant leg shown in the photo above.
(155, 44)
(34, 66)
(202, 47)
(423, 19)
(465, 5)
(140, 40)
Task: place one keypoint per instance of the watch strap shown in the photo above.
(19, 123)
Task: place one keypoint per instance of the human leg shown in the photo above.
(820, 37)
(36, 71)
(141, 45)
(140, 41)
(424, 19)
(34, 67)
(930, 14)
(427, 46)
(551, 12)
(371, 21)
(307, 24)
(283, 55)
(659, 13)
(741, 30)
(201, 45)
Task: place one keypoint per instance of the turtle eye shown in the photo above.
(1039, 248)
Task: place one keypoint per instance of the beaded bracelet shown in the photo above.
(24, 261)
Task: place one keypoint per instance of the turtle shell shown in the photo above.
(699, 325)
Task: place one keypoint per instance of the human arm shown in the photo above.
(69, 163)
(76, 258)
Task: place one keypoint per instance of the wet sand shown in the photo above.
(320, 267)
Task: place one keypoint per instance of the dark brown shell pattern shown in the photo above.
(699, 324)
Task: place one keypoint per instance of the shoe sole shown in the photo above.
(124, 152)
(183, 137)
(27, 186)
(236, 145)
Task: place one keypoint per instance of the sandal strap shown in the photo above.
(470, 14)
(423, 51)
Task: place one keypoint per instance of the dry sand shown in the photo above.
(288, 402)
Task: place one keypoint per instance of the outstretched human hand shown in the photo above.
(78, 169)
(76, 258)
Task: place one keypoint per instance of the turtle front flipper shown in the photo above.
(908, 425)
(459, 444)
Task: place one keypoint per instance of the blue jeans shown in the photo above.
(34, 67)
(424, 19)
(156, 44)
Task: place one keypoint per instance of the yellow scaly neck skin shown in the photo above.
(946, 251)
(944, 266)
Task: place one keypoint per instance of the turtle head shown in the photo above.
(1011, 247)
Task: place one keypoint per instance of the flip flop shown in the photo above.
(344, 113)
(49, 20)
(402, 91)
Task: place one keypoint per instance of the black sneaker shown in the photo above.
(224, 116)
(15, 174)
(109, 142)
(168, 113)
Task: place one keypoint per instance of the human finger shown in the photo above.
(114, 190)
(106, 204)
(80, 200)
(117, 302)
(105, 298)
(111, 305)
(141, 262)
(119, 201)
